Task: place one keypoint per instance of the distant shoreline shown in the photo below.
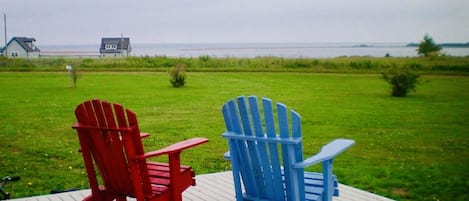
(463, 45)
(251, 50)
(69, 54)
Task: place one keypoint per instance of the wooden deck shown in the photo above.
(216, 187)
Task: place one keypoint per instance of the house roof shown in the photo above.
(121, 42)
(24, 41)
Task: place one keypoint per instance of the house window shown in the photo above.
(110, 46)
(14, 54)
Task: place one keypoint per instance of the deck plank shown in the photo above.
(213, 187)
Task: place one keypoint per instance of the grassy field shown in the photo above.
(413, 148)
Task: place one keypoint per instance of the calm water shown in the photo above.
(249, 50)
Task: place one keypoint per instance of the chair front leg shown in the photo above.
(174, 176)
(328, 180)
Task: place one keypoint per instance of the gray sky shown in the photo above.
(199, 21)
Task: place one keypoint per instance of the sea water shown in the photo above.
(250, 50)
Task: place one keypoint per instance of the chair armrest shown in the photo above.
(327, 152)
(175, 148)
(227, 155)
(144, 135)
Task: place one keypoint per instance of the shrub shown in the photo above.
(204, 58)
(178, 76)
(402, 80)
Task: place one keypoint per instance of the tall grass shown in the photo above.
(438, 65)
(407, 149)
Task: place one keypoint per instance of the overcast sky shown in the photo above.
(215, 21)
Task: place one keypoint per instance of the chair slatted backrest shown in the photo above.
(263, 148)
(109, 136)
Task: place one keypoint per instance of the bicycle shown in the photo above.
(5, 195)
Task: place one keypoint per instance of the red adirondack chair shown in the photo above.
(110, 142)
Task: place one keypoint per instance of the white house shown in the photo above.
(21, 47)
(115, 47)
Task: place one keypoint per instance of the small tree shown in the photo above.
(402, 80)
(178, 76)
(73, 75)
(428, 47)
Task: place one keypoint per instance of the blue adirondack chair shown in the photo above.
(269, 163)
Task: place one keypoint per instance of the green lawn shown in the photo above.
(413, 148)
